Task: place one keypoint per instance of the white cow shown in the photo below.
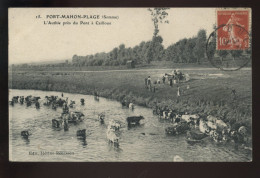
(186, 118)
(212, 119)
(113, 125)
(190, 117)
(111, 136)
(212, 125)
(220, 124)
(203, 127)
(131, 106)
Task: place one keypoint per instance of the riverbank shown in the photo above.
(209, 90)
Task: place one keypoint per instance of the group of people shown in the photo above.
(148, 84)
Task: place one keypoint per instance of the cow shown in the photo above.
(101, 117)
(75, 117)
(203, 127)
(220, 124)
(211, 118)
(66, 125)
(194, 135)
(190, 117)
(131, 106)
(242, 130)
(25, 133)
(81, 133)
(134, 120)
(15, 99)
(37, 105)
(212, 125)
(177, 129)
(12, 103)
(71, 104)
(57, 123)
(21, 99)
(82, 101)
(112, 137)
(114, 125)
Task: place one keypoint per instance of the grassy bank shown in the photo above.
(209, 93)
(152, 65)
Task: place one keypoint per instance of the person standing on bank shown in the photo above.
(149, 82)
(178, 91)
(163, 79)
(171, 82)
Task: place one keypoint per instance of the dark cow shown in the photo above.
(195, 135)
(28, 103)
(75, 117)
(101, 117)
(65, 108)
(82, 101)
(12, 103)
(180, 128)
(57, 123)
(81, 133)
(134, 120)
(71, 104)
(25, 133)
(37, 105)
(66, 125)
(60, 102)
(54, 106)
(21, 99)
(15, 99)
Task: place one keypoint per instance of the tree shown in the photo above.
(235, 53)
(158, 16)
(222, 54)
(155, 48)
(199, 49)
(75, 59)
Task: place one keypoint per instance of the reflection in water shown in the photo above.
(26, 140)
(134, 127)
(144, 142)
(83, 141)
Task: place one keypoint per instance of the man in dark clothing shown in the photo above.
(171, 82)
(163, 79)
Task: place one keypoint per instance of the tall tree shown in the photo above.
(222, 54)
(199, 49)
(158, 16)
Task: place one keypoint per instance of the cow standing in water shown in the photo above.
(82, 101)
(134, 120)
(65, 108)
(37, 105)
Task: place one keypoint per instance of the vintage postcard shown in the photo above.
(130, 84)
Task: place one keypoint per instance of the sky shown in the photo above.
(32, 41)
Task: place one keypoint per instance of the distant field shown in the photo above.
(153, 64)
(210, 89)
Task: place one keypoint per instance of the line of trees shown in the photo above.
(190, 50)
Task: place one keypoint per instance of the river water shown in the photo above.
(145, 143)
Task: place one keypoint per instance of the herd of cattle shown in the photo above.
(197, 127)
(74, 117)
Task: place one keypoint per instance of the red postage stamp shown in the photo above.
(233, 29)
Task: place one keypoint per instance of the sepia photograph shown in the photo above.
(130, 84)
